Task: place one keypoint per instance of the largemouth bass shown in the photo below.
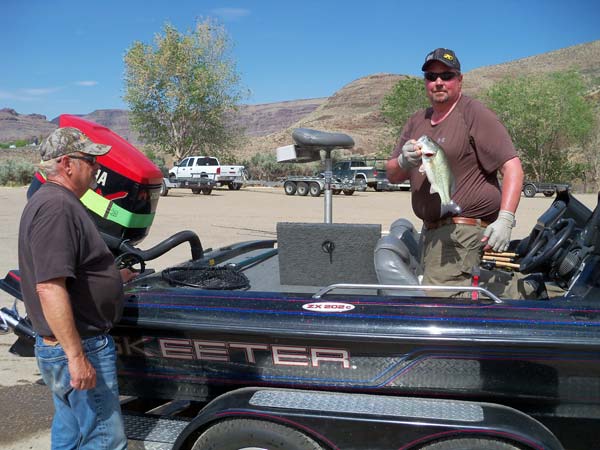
(436, 167)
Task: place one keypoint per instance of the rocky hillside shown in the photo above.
(254, 120)
(14, 126)
(354, 109)
(264, 119)
(584, 58)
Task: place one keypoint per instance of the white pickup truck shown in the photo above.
(193, 166)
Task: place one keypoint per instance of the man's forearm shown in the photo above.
(512, 183)
(57, 310)
(395, 173)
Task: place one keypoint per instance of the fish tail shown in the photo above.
(450, 208)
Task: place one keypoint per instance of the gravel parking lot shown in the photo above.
(219, 219)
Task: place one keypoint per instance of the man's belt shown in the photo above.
(50, 340)
(454, 220)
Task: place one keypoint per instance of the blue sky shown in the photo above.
(66, 56)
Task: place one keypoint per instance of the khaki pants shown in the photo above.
(449, 254)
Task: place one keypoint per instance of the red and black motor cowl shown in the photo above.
(124, 201)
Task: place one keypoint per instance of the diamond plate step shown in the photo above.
(152, 433)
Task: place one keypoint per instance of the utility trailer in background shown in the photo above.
(200, 183)
(530, 188)
(315, 186)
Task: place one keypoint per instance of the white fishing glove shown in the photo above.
(409, 159)
(498, 233)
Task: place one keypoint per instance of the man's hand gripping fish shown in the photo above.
(436, 167)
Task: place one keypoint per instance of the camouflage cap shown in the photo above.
(64, 141)
(443, 55)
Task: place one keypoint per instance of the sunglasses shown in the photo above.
(87, 158)
(445, 76)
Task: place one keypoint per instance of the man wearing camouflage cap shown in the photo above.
(477, 147)
(73, 293)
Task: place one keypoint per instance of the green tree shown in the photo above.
(181, 90)
(548, 119)
(406, 97)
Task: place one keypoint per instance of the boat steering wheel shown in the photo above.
(545, 244)
(127, 260)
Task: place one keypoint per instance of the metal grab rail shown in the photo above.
(411, 287)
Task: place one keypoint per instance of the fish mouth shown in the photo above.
(428, 153)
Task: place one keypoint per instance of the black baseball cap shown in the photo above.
(443, 55)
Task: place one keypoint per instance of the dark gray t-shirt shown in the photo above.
(477, 190)
(57, 238)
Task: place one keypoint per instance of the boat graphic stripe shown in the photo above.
(109, 210)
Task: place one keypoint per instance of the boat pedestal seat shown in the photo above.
(305, 137)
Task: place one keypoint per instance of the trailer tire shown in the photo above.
(164, 190)
(195, 191)
(529, 190)
(315, 189)
(548, 193)
(348, 191)
(206, 191)
(336, 191)
(289, 188)
(230, 186)
(302, 189)
(235, 434)
(481, 443)
(237, 186)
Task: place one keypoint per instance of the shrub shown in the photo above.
(16, 172)
(264, 166)
(157, 159)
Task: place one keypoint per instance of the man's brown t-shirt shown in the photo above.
(477, 190)
(58, 239)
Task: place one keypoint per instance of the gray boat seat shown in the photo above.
(305, 137)
(397, 258)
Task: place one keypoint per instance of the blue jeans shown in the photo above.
(89, 419)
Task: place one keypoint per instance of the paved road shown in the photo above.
(219, 219)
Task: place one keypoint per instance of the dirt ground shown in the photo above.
(219, 219)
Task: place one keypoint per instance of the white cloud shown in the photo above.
(5, 95)
(38, 92)
(231, 13)
(86, 83)
(28, 94)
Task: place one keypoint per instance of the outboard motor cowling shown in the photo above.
(124, 201)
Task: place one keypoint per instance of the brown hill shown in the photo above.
(14, 126)
(254, 120)
(354, 109)
(267, 118)
(585, 58)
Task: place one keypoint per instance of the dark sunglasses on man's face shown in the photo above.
(445, 76)
(87, 158)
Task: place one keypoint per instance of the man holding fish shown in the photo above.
(452, 152)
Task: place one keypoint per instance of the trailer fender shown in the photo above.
(338, 420)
